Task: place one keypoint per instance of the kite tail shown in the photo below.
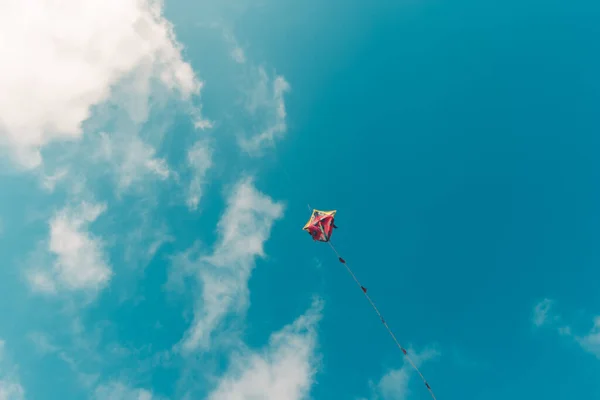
(364, 290)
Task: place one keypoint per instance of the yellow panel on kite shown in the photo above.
(318, 213)
(320, 225)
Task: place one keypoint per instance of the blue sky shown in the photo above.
(157, 160)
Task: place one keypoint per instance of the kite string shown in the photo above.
(382, 319)
(373, 305)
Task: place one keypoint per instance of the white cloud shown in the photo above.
(267, 100)
(10, 387)
(394, 385)
(80, 262)
(78, 347)
(200, 122)
(61, 58)
(158, 237)
(543, 315)
(49, 182)
(41, 281)
(591, 341)
(565, 331)
(243, 229)
(238, 55)
(144, 242)
(283, 371)
(184, 268)
(200, 161)
(121, 391)
(42, 343)
(132, 158)
(541, 312)
(10, 390)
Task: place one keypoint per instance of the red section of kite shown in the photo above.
(321, 226)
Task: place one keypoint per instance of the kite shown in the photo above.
(320, 226)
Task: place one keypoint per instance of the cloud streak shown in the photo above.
(590, 342)
(395, 384)
(266, 100)
(119, 391)
(284, 370)
(10, 387)
(223, 275)
(132, 159)
(541, 312)
(200, 160)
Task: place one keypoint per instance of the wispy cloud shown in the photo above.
(223, 275)
(49, 182)
(395, 384)
(149, 234)
(10, 386)
(79, 259)
(120, 391)
(267, 100)
(199, 158)
(591, 341)
(543, 315)
(284, 370)
(67, 59)
(132, 159)
(541, 312)
(263, 96)
(83, 348)
(10, 390)
(237, 53)
(42, 343)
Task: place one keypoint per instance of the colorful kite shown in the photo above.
(320, 226)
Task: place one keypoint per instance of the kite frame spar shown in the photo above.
(316, 222)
